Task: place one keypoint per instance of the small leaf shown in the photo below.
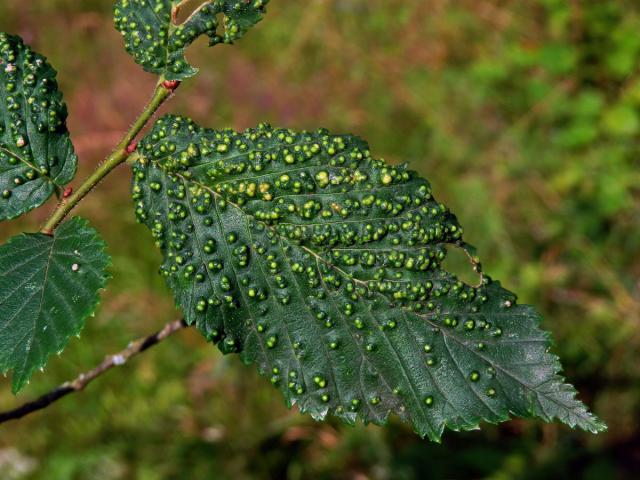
(36, 154)
(323, 266)
(158, 45)
(48, 287)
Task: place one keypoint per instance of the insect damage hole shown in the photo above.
(463, 265)
(183, 10)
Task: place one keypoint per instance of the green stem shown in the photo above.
(118, 157)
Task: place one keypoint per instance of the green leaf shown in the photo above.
(158, 45)
(48, 286)
(36, 154)
(323, 266)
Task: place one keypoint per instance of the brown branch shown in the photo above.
(84, 379)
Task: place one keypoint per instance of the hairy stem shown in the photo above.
(162, 92)
(84, 379)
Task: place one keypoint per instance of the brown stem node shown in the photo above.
(131, 148)
(171, 85)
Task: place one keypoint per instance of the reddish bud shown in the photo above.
(131, 148)
(67, 192)
(171, 84)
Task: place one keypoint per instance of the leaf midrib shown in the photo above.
(27, 163)
(44, 284)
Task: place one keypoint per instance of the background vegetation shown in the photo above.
(524, 114)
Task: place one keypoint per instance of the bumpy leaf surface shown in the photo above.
(36, 154)
(49, 285)
(323, 266)
(158, 45)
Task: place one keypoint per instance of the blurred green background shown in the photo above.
(524, 114)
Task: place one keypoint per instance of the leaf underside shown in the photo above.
(49, 285)
(323, 266)
(36, 154)
(159, 46)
